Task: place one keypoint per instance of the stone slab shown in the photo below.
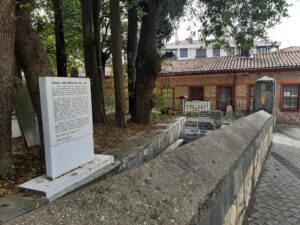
(15, 128)
(54, 189)
(25, 114)
(173, 146)
(67, 123)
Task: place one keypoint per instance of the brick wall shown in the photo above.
(242, 83)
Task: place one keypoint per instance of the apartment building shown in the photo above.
(191, 49)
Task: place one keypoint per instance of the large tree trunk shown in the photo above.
(147, 62)
(61, 57)
(96, 13)
(132, 44)
(91, 63)
(115, 23)
(31, 56)
(7, 58)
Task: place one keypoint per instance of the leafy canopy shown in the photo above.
(241, 20)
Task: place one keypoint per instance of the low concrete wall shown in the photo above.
(147, 145)
(208, 181)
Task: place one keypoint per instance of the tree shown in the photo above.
(92, 61)
(31, 55)
(115, 23)
(7, 62)
(156, 14)
(243, 21)
(132, 46)
(96, 14)
(147, 61)
(61, 58)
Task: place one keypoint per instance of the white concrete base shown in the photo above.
(54, 189)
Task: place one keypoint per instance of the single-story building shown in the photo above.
(230, 81)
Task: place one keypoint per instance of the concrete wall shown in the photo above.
(147, 144)
(206, 182)
(242, 83)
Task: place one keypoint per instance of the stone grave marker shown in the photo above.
(195, 106)
(25, 115)
(216, 116)
(229, 111)
(67, 123)
(197, 129)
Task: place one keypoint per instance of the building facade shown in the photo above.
(191, 49)
(227, 81)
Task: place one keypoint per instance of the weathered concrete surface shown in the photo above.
(15, 205)
(146, 145)
(180, 187)
(277, 198)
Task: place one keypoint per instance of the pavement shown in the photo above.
(277, 197)
(16, 205)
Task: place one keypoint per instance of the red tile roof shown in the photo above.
(289, 49)
(269, 61)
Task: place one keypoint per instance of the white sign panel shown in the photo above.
(67, 123)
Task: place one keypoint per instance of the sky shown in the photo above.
(287, 32)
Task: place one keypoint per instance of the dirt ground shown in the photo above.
(28, 163)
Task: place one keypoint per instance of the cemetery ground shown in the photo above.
(29, 164)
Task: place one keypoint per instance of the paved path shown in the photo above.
(277, 197)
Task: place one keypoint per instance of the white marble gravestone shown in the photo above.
(67, 123)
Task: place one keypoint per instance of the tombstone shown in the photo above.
(216, 116)
(67, 123)
(195, 129)
(195, 106)
(265, 96)
(229, 111)
(25, 115)
(182, 104)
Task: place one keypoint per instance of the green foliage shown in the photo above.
(158, 101)
(242, 20)
(43, 22)
(172, 11)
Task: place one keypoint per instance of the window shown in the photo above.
(230, 51)
(196, 93)
(201, 53)
(168, 97)
(174, 51)
(216, 52)
(290, 97)
(224, 97)
(263, 49)
(251, 98)
(183, 53)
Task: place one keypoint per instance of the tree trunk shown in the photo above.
(7, 62)
(91, 63)
(115, 23)
(61, 58)
(147, 62)
(132, 44)
(96, 12)
(31, 55)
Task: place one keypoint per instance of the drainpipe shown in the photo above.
(233, 92)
